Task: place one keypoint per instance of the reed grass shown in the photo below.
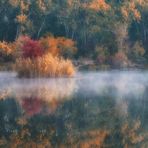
(44, 66)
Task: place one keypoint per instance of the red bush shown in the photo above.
(32, 106)
(32, 49)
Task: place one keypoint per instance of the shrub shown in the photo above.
(45, 66)
(42, 58)
(32, 49)
(58, 46)
(7, 52)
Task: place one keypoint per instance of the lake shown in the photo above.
(91, 110)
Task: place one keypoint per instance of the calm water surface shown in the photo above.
(92, 110)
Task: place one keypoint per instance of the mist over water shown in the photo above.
(82, 108)
(117, 83)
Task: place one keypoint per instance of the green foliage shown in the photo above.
(115, 25)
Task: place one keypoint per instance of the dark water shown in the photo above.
(91, 110)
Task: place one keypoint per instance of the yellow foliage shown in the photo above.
(45, 66)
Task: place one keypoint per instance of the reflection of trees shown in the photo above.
(90, 120)
(47, 89)
(4, 94)
(33, 106)
(39, 95)
(9, 111)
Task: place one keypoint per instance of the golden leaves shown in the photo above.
(45, 66)
(130, 9)
(137, 14)
(5, 48)
(124, 12)
(50, 63)
(58, 46)
(21, 18)
(97, 5)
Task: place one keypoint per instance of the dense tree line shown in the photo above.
(102, 29)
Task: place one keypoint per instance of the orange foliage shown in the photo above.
(49, 63)
(130, 8)
(5, 48)
(21, 18)
(97, 5)
(19, 140)
(137, 14)
(96, 140)
(58, 46)
(70, 2)
(124, 12)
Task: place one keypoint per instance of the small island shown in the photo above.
(47, 57)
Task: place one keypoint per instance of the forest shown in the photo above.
(73, 73)
(97, 33)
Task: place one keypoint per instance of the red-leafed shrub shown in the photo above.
(32, 106)
(32, 49)
(38, 59)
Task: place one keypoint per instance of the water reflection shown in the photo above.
(41, 88)
(105, 109)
